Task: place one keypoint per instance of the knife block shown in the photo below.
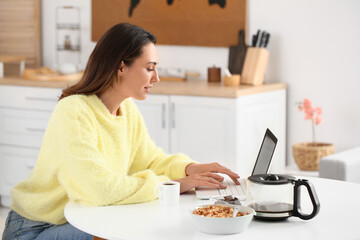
(255, 63)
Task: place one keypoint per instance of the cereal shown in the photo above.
(219, 211)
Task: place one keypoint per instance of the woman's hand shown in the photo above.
(195, 168)
(205, 179)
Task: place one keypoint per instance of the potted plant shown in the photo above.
(308, 154)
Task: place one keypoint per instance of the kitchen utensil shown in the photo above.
(256, 38)
(175, 74)
(47, 74)
(237, 54)
(267, 40)
(255, 64)
(262, 39)
(236, 210)
(277, 197)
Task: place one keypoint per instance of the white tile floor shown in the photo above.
(3, 214)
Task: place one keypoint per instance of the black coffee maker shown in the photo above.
(277, 197)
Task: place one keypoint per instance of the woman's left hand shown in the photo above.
(194, 168)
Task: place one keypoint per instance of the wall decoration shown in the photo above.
(175, 22)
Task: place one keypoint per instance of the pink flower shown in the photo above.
(318, 110)
(317, 120)
(308, 115)
(307, 105)
(311, 113)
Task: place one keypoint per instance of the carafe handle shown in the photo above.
(314, 199)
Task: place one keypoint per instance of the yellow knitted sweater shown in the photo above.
(93, 157)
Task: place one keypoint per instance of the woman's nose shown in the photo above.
(155, 78)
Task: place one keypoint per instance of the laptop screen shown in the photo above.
(265, 153)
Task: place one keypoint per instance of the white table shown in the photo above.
(338, 218)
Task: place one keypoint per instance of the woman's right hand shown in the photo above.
(205, 179)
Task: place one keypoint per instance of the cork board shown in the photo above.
(175, 22)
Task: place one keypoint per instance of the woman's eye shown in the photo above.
(150, 69)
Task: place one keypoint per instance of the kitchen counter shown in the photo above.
(18, 81)
(187, 88)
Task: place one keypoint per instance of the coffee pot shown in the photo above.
(277, 197)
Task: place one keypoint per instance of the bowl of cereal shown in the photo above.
(220, 219)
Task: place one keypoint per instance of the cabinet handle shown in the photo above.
(41, 99)
(173, 115)
(163, 120)
(35, 130)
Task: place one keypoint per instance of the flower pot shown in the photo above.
(308, 155)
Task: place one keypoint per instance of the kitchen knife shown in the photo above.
(262, 39)
(267, 40)
(253, 41)
(255, 38)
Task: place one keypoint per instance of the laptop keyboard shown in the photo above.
(232, 188)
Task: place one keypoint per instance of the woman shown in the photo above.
(96, 149)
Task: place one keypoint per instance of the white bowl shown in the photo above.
(215, 225)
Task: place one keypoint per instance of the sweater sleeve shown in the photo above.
(149, 156)
(83, 171)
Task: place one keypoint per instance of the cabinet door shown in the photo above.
(16, 164)
(22, 127)
(204, 128)
(32, 98)
(155, 110)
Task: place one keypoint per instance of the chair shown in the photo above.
(344, 166)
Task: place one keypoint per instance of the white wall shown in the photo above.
(315, 49)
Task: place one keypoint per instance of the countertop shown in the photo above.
(187, 88)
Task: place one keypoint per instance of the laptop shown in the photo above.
(261, 166)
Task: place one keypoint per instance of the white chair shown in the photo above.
(341, 166)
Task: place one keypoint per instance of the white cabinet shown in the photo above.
(201, 127)
(155, 111)
(225, 130)
(24, 113)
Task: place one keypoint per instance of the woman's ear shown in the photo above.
(121, 68)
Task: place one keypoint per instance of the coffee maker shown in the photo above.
(277, 197)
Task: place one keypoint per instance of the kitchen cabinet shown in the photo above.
(24, 113)
(201, 127)
(156, 112)
(215, 129)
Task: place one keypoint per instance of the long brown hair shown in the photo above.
(122, 42)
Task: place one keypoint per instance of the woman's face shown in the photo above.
(136, 80)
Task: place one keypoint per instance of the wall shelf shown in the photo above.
(68, 32)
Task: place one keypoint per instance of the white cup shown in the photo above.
(168, 192)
